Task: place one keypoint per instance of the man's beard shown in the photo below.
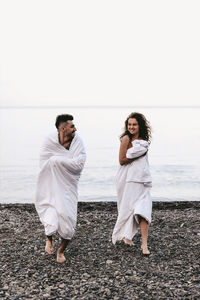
(71, 136)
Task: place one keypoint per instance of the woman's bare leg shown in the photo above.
(128, 242)
(144, 233)
(60, 253)
(49, 245)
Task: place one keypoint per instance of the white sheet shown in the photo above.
(56, 194)
(133, 192)
(138, 170)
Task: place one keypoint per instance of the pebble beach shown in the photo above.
(95, 268)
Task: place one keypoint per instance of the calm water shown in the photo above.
(174, 154)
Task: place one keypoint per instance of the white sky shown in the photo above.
(99, 52)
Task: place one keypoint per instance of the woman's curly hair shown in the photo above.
(144, 127)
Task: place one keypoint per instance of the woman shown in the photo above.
(134, 182)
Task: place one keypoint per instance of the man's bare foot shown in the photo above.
(49, 247)
(128, 242)
(145, 250)
(60, 257)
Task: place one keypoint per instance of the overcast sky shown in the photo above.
(99, 52)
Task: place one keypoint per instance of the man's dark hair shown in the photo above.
(63, 118)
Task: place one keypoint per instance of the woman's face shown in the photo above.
(133, 126)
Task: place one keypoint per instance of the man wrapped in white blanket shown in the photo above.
(62, 159)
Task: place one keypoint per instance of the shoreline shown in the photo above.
(111, 204)
(95, 268)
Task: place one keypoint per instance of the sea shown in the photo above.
(174, 153)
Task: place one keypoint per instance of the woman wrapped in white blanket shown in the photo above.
(133, 182)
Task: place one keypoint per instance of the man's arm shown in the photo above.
(75, 163)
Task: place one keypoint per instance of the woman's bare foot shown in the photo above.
(128, 242)
(145, 250)
(60, 257)
(60, 253)
(49, 247)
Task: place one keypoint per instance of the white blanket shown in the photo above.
(133, 192)
(139, 147)
(138, 170)
(56, 194)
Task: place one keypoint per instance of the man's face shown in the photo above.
(68, 129)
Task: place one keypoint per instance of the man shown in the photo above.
(62, 159)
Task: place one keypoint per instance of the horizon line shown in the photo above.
(97, 106)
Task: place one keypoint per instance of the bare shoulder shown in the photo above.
(125, 140)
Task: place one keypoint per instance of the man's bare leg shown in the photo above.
(60, 253)
(49, 245)
(144, 226)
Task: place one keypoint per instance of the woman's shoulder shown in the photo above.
(125, 139)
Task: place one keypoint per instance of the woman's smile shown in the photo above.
(133, 126)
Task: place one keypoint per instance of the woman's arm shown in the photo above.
(122, 151)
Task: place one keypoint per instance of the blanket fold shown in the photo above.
(56, 194)
(133, 192)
